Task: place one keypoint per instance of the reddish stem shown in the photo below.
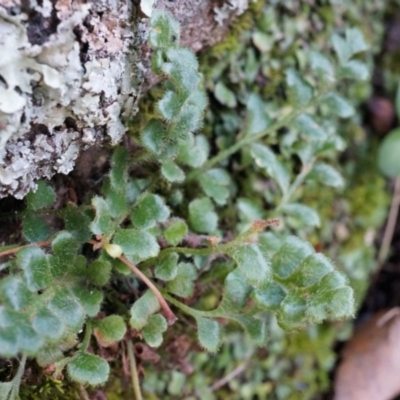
(169, 315)
(15, 249)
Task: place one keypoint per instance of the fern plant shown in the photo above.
(54, 292)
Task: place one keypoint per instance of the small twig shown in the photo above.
(393, 312)
(83, 393)
(15, 249)
(391, 224)
(134, 372)
(232, 375)
(169, 315)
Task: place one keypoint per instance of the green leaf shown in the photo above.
(292, 312)
(175, 232)
(170, 105)
(354, 70)
(327, 175)
(35, 229)
(202, 216)
(307, 216)
(29, 341)
(118, 173)
(209, 333)
(355, 41)
(90, 299)
(254, 327)
(14, 293)
(66, 308)
(341, 48)
(215, 183)
(154, 137)
(88, 369)
(388, 154)
(182, 285)
(347, 48)
(309, 128)
(338, 302)
(257, 119)
(194, 155)
(43, 197)
(142, 309)
(270, 297)
(265, 158)
(299, 91)
(182, 69)
(152, 332)
(64, 247)
(289, 256)
(166, 267)
(46, 324)
(137, 243)
(49, 355)
(321, 64)
(8, 342)
(224, 95)
(109, 330)
(116, 199)
(150, 210)
(339, 105)
(189, 120)
(99, 272)
(77, 223)
(34, 263)
(165, 30)
(102, 224)
(171, 172)
(254, 264)
(262, 41)
(312, 269)
(236, 292)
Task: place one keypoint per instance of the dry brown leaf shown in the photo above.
(370, 364)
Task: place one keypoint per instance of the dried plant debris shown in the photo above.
(371, 360)
(65, 79)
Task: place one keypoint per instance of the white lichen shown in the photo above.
(60, 91)
(231, 7)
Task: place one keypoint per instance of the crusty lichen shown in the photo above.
(229, 8)
(65, 77)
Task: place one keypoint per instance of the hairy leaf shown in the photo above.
(142, 309)
(88, 369)
(152, 332)
(209, 333)
(109, 330)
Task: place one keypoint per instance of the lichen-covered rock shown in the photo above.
(71, 69)
(65, 77)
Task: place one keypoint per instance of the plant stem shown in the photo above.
(191, 311)
(86, 338)
(134, 372)
(247, 139)
(83, 393)
(15, 249)
(391, 224)
(232, 375)
(241, 143)
(169, 315)
(296, 184)
(16, 382)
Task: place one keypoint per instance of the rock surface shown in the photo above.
(71, 71)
